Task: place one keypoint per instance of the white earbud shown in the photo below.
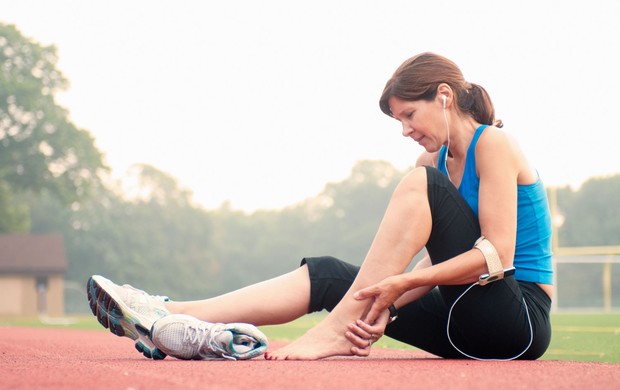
(444, 98)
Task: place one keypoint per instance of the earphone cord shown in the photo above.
(445, 161)
(529, 321)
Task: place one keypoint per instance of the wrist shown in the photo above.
(393, 314)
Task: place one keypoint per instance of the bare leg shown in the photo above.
(275, 301)
(404, 231)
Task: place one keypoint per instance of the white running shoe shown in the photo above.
(186, 337)
(127, 311)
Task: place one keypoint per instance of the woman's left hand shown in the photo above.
(363, 335)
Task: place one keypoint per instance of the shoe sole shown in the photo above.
(114, 315)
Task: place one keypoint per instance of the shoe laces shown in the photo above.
(196, 335)
(140, 300)
(160, 298)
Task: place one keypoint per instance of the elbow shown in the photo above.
(495, 252)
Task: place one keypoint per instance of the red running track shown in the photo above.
(33, 358)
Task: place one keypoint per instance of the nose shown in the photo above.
(407, 130)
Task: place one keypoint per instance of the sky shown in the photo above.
(261, 103)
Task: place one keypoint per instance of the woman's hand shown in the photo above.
(363, 335)
(384, 294)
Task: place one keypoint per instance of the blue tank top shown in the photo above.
(533, 245)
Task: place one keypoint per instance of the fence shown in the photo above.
(581, 285)
(584, 279)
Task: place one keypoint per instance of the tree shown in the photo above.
(13, 216)
(355, 209)
(592, 214)
(40, 148)
(341, 221)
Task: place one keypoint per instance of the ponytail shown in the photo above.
(476, 101)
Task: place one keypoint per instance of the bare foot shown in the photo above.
(323, 340)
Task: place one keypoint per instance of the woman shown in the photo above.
(473, 201)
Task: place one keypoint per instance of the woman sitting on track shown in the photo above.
(473, 201)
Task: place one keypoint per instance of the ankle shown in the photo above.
(173, 307)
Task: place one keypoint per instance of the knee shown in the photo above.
(415, 182)
(412, 189)
(328, 267)
(330, 279)
(319, 263)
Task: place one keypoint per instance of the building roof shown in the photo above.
(32, 253)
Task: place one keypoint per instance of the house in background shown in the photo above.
(32, 269)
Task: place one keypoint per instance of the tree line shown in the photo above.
(53, 180)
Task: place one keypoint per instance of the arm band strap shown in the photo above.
(494, 264)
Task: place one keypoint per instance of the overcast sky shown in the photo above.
(263, 102)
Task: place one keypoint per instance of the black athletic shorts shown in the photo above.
(496, 321)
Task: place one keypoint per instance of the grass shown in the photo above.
(576, 337)
(585, 337)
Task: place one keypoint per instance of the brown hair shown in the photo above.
(418, 79)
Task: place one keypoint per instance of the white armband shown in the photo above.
(494, 264)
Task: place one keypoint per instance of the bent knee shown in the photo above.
(414, 182)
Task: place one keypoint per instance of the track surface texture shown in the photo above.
(51, 358)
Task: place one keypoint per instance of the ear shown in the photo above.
(444, 92)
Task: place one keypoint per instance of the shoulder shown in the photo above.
(495, 136)
(495, 142)
(499, 151)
